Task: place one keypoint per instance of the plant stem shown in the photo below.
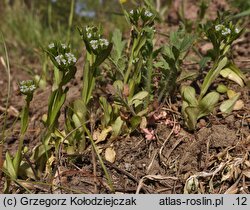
(100, 158)
(72, 6)
(149, 78)
(130, 64)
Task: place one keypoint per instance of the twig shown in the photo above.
(126, 173)
(152, 177)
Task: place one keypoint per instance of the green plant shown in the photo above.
(131, 72)
(221, 32)
(12, 165)
(170, 63)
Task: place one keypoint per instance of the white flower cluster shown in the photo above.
(52, 45)
(218, 27)
(148, 14)
(100, 43)
(64, 46)
(27, 86)
(224, 30)
(90, 34)
(67, 58)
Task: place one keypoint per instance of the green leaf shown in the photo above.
(135, 122)
(39, 152)
(227, 106)
(121, 64)
(204, 61)
(211, 76)
(138, 97)
(107, 110)
(188, 94)
(228, 73)
(118, 85)
(9, 166)
(236, 70)
(102, 56)
(186, 42)
(207, 104)
(186, 74)
(242, 14)
(118, 43)
(79, 108)
(221, 88)
(192, 117)
(69, 75)
(116, 126)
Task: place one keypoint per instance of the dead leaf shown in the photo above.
(125, 90)
(246, 173)
(110, 89)
(103, 135)
(238, 105)
(110, 154)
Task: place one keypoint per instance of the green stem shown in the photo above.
(149, 77)
(24, 126)
(100, 158)
(70, 19)
(130, 63)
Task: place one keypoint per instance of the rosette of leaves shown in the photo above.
(193, 108)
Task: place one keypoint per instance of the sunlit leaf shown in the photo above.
(211, 76)
(228, 105)
(207, 104)
(188, 94)
(228, 73)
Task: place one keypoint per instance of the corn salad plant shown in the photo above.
(12, 165)
(221, 33)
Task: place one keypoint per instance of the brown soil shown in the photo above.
(217, 154)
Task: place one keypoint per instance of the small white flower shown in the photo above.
(51, 45)
(87, 28)
(237, 30)
(148, 14)
(63, 46)
(103, 42)
(64, 61)
(70, 57)
(218, 27)
(131, 12)
(94, 44)
(225, 31)
(89, 35)
(59, 59)
(32, 87)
